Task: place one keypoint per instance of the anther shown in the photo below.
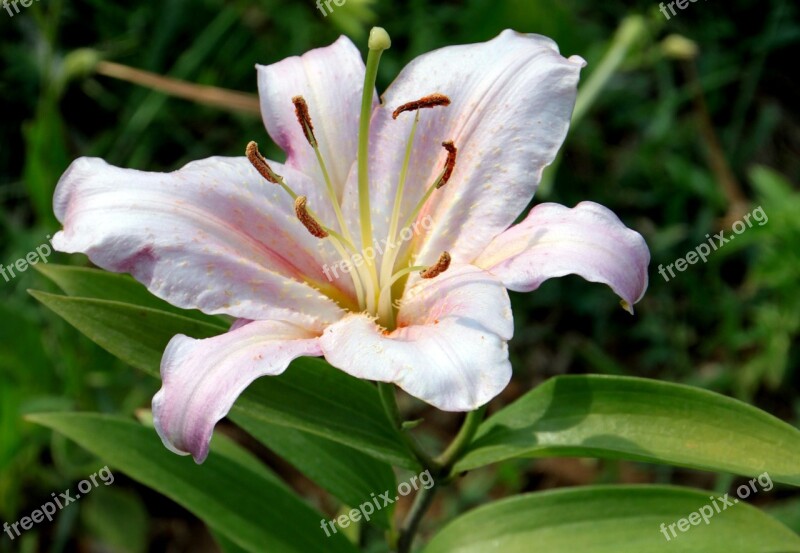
(435, 270)
(308, 221)
(431, 101)
(449, 164)
(260, 163)
(304, 118)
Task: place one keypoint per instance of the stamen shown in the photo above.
(260, 163)
(308, 221)
(304, 118)
(388, 258)
(307, 217)
(449, 164)
(435, 270)
(318, 230)
(430, 101)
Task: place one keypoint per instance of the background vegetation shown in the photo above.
(683, 125)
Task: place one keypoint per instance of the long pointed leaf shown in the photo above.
(236, 501)
(639, 419)
(613, 519)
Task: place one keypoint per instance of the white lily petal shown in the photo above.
(450, 347)
(331, 80)
(213, 236)
(512, 100)
(203, 378)
(553, 241)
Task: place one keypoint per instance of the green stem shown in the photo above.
(389, 402)
(441, 472)
(468, 429)
(422, 503)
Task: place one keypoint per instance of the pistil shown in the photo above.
(378, 42)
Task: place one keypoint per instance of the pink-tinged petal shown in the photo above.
(331, 80)
(213, 235)
(553, 241)
(512, 100)
(450, 347)
(239, 323)
(203, 378)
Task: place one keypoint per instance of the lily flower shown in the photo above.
(459, 141)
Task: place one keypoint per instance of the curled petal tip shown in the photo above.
(201, 379)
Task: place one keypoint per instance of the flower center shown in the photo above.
(373, 285)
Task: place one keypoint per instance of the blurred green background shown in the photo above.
(682, 126)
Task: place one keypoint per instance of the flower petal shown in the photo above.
(450, 347)
(331, 80)
(553, 241)
(213, 236)
(203, 378)
(512, 100)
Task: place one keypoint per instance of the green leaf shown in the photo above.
(613, 519)
(84, 282)
(137, 335)
(346, 473)
(226, 545)
(253, 512)
(639, 419)
(314, 397)
(310, 395)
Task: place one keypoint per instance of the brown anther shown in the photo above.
(304, 118)
(260, 163)
(308, 221)
(435, 270)
(427, 102)
(449, 164)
